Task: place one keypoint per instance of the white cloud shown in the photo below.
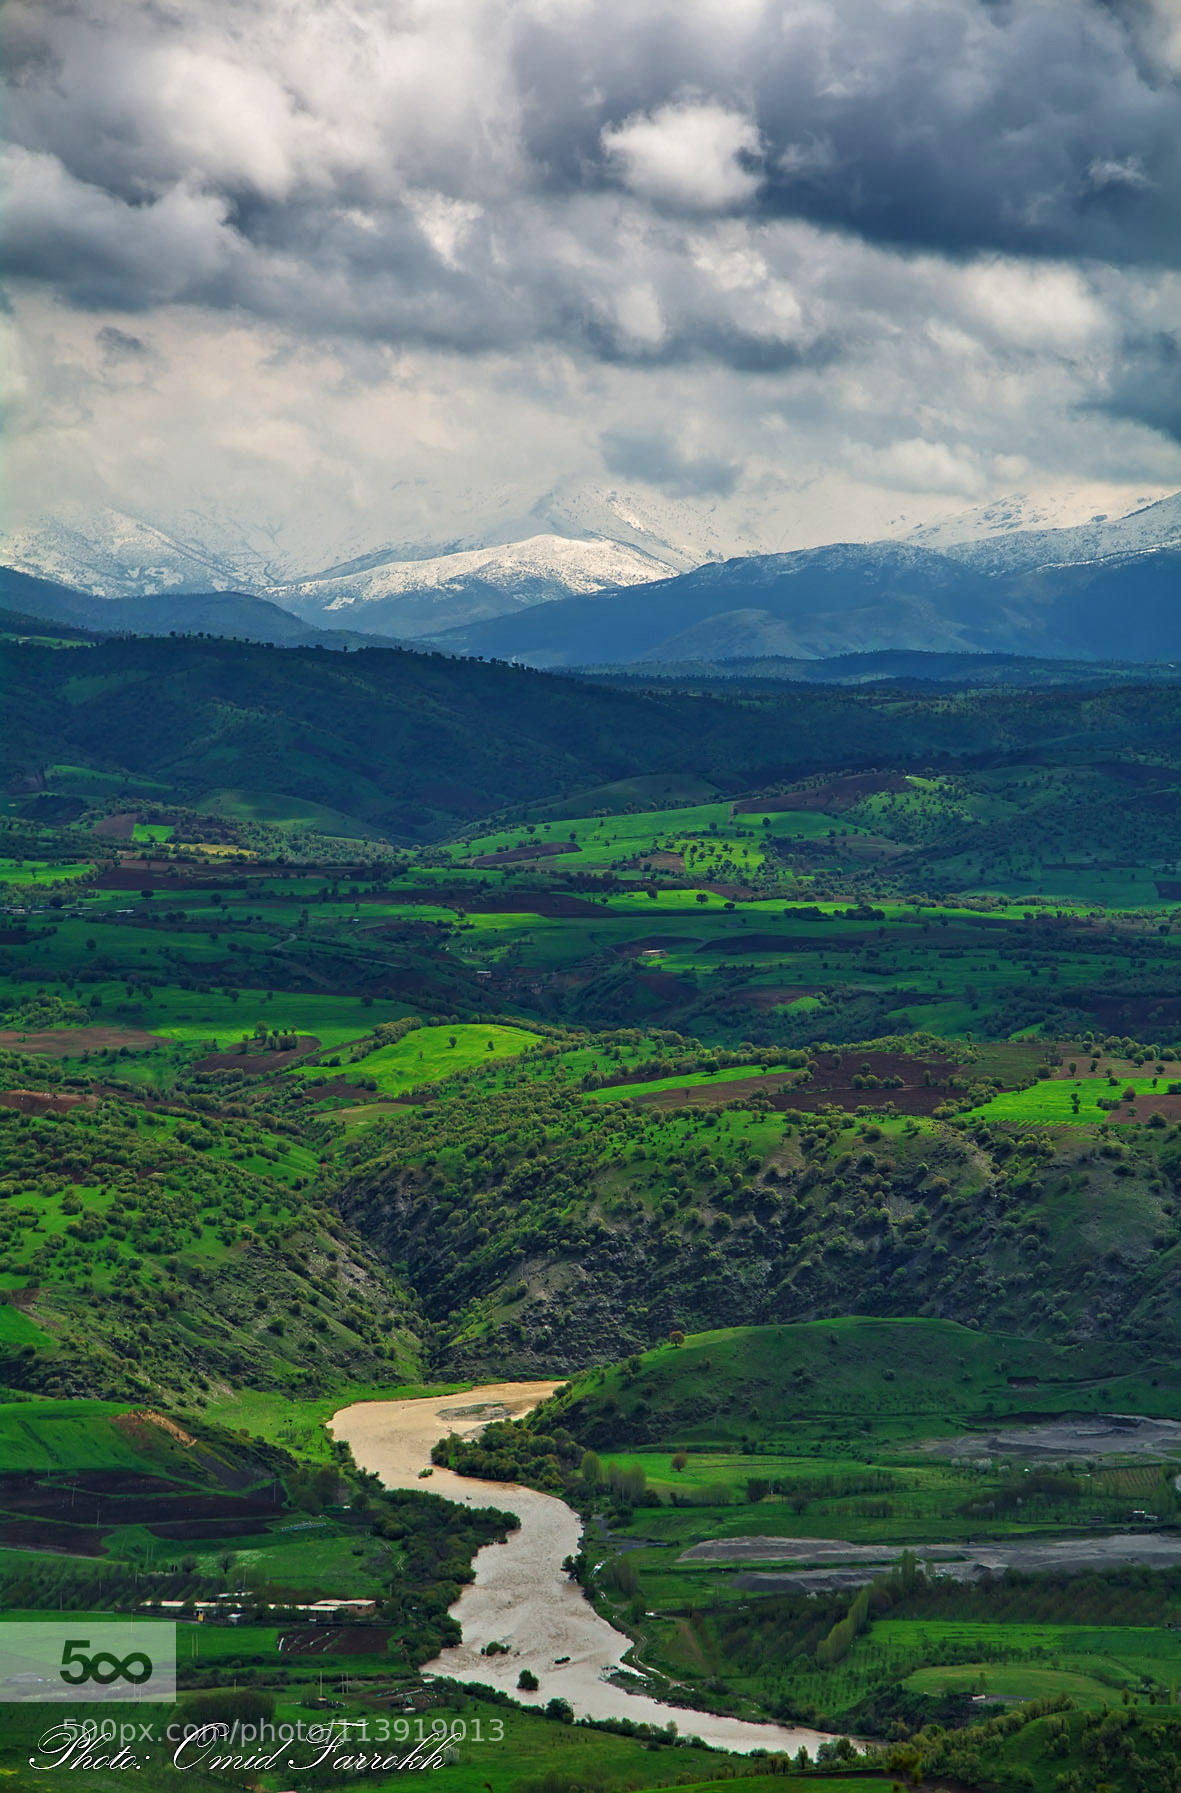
(693, 153)
(1113, 171)
(402, 266)
(917, 465)
(1030, 306)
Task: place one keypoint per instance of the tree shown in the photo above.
(676, 1337)
(527, 1681)
(562, 1710)
(680, 1459)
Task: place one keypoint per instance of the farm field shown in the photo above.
(920, 1643)
(819, 1134)
(432, 1053)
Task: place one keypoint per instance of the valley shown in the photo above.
(683, 1181)
(522, 1600)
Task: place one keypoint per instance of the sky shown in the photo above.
(345, 272)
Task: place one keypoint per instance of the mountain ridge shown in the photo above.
(945, 587)
(231, 615)
(821, 602)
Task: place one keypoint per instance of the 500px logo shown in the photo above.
(103, 1667)
(49, 1661)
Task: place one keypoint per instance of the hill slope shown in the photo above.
(850, 598)
(236, 615)
(411, 744)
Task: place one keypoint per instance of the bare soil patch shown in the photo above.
(30, 1101)
(116, 827)
(735, 945)
(663, 860)
(336, 1640)
(732, 893)
(259, 1064)
(338, 1089)
(164, 875)
(831, 1085)
(832, 796)
(138, 1426)
(483, 902)
(1144, 1106)
(548, 849)
(406, 932)
(774, 996)
(72, 1042)
(63, 1540)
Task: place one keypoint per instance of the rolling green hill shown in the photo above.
(413, 744)
(904, 1377)
(154, 1249)
(793, 1073)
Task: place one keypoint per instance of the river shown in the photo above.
(521, 1596)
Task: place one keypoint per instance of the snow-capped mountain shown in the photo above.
(416, 597)
(1019, 532)
(1144, 531)
(113, 555)
(523, 554)
(512, 551)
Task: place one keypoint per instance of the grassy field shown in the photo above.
(430, 1054)
(40, 872)
(197, 1017)
(1077, 1101)
(259, 1244)
(286, 813)
(300, 1425)
(904, 1376)
(69, 1435)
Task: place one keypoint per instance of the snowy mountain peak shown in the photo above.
(112, 555)
(518, 569)
(1022, 533)
(571, 543)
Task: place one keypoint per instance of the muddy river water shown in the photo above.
(521, 1596)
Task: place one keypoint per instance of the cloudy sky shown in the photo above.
(356, 271)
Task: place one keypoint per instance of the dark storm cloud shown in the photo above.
(1146, 384)
(486, 175)
(657, 460)
(1044, 127)
(120, 345)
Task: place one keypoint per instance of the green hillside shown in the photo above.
(795, 1077)
(901, 1377)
